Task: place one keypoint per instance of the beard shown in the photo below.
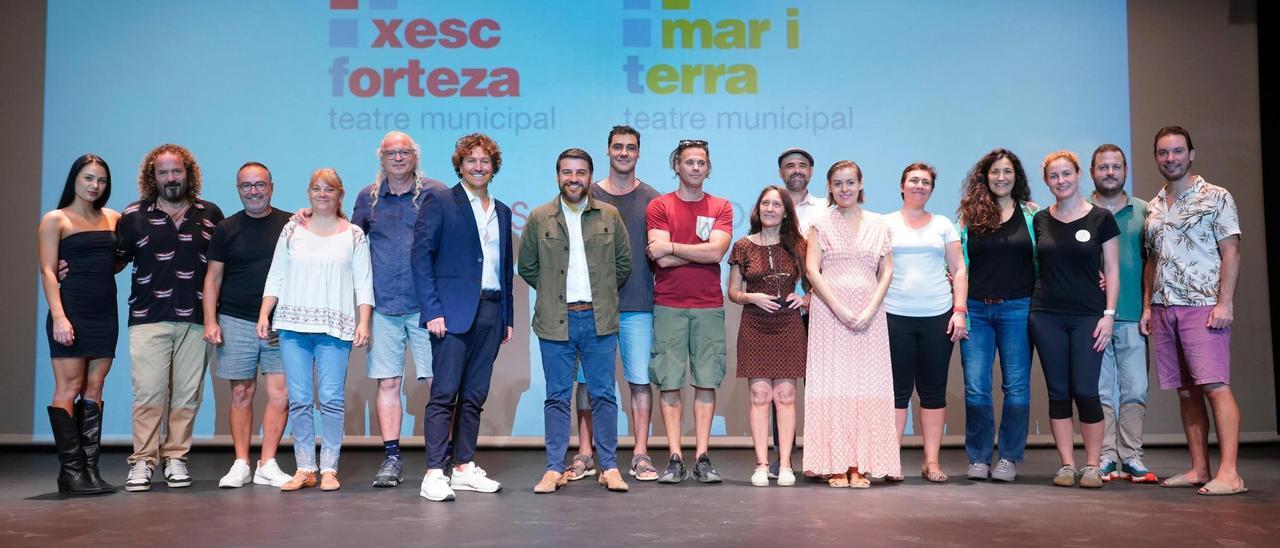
(173, 191)
(796, 183)
(1108, 187)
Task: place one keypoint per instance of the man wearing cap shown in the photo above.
(795, 166)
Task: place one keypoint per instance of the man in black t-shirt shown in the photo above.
(239, 257)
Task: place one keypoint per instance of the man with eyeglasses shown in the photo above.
(689, 232)
(386, 211)
(239, 258)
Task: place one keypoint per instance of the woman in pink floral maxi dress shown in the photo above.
(849, 429)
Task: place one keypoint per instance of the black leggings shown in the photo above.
(920, 351)
(1071, 366)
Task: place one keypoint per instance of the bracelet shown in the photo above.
(1109, 312)
(960, 309)
(673, 248)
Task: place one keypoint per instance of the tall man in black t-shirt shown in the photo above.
(165, 235)
(239, 258)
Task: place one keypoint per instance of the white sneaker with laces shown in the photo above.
(176, 474)
(139, 477)
(269, 473)
(238, 476)
(435, 486)
(470, 477)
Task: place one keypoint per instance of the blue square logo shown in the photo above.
(637, 33)
(343, 33)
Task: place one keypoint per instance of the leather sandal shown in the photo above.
(642, 468)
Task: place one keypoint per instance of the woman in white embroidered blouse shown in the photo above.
(321, 288)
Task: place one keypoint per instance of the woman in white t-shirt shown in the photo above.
(925, 308)
(320, 288)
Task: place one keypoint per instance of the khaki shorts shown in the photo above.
(692, 337)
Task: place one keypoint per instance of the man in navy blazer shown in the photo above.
(462, 270)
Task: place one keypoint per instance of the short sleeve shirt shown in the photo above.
(1070, 260)
(169, 260)
(636, 295)
(920, 287)
(244, 245)
(1183, 241)
(692, 285)
(1131, 218)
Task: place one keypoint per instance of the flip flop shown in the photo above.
(1217, 488)
(1180, 480)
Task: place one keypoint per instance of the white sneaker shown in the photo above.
(473, 478)
(786, 478)
(176, 474)
(139, 477)
(760, 478)
(237, 476)
(269, 473)
(435, 486)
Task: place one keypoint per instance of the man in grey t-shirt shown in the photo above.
(631, 196)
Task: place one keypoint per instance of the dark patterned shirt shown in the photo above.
(168, 261)
(1183, 240)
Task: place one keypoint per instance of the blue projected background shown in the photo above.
(300, 85)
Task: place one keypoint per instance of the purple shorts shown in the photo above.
(1188, 353)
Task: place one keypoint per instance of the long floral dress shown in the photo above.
(849, 417)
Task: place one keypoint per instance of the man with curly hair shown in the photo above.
(165, 235)
(462, 271)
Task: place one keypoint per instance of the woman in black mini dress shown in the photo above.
(82, 325)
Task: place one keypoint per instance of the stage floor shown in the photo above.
(1030, 512)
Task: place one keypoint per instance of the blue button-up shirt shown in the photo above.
(389, 226)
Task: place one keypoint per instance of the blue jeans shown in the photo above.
(559, 365)
(996, 327)
(328, 354)
(1122, 385)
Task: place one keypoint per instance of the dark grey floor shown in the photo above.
(1030, 512)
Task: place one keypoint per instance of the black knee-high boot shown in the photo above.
(72, 479)
(89, 415)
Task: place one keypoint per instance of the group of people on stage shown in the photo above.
(866, 307)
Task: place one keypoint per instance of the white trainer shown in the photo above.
(269, 473)
(473, 478)
(435, 486)
(238, 476)
(176, 474)
(786, 478)
(760, 478)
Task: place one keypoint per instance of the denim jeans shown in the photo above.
(1122, 386)
(328, 354)
(559, 365)
(996, 327)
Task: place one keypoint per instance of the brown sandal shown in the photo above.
(642, 468)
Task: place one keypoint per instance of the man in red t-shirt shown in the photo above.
(689, 233)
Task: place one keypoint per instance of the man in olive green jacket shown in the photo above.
(576, 254)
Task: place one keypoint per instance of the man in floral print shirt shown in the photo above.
(1193, 235)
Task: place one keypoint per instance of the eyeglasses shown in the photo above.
(397, 154)
(257, 185)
